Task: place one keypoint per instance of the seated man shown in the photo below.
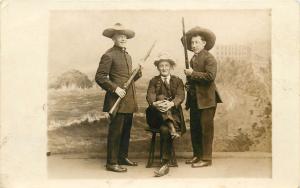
(165, 94)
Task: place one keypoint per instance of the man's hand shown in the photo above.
(187, 86)
(120, 92)
(141, 66)
(163, 105)
(159, 104)
(188, 72)
(168, 105)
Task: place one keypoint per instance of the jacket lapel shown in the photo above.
(172, 85)
(192, 61)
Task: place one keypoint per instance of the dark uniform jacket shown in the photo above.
(201, 82)
(176, 93)
(114, 70)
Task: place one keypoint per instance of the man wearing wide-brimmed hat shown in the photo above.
(165, 94)
(114, 70)
(202, 95)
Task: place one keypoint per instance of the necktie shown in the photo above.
(167, 85)
(166, 80)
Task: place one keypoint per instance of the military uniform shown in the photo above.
(114, 70)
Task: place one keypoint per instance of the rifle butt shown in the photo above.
(113, 110)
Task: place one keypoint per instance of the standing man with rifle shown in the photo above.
(202, 94)
(115, 69)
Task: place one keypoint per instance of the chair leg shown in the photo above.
(160, 151)
(153, 147)
(173, 157)
(151, 151)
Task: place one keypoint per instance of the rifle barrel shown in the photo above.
(186, 58)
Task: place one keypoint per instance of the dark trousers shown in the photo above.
(202, 131)
(118, 137)
(165, 142)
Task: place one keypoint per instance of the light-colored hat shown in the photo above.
(164, 57)
(207, 35)
(119, 29)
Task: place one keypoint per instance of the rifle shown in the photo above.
(112, 112)
(186, 58)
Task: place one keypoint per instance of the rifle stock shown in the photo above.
(113, 110)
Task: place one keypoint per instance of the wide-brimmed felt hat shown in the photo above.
(206, 34)
(118, 29)
(164, 57)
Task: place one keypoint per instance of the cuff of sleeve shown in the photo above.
(151, 104)
(194, 75)
(113, 88)
(174, 103)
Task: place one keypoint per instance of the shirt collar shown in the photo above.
(201, 51)
(120, 48)
(168, 78)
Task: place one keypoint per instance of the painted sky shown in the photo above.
(76, 41)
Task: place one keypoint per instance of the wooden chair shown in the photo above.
(151, 157)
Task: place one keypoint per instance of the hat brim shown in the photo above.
(171, 61)
(110, 32)
(207, 35)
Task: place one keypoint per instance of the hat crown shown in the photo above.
(163, 55)
(207, 35)
(118, 26)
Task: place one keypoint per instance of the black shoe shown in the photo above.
(201, 164)
(193, 160)
(127, 162)
(115, 168)
(162, 171)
